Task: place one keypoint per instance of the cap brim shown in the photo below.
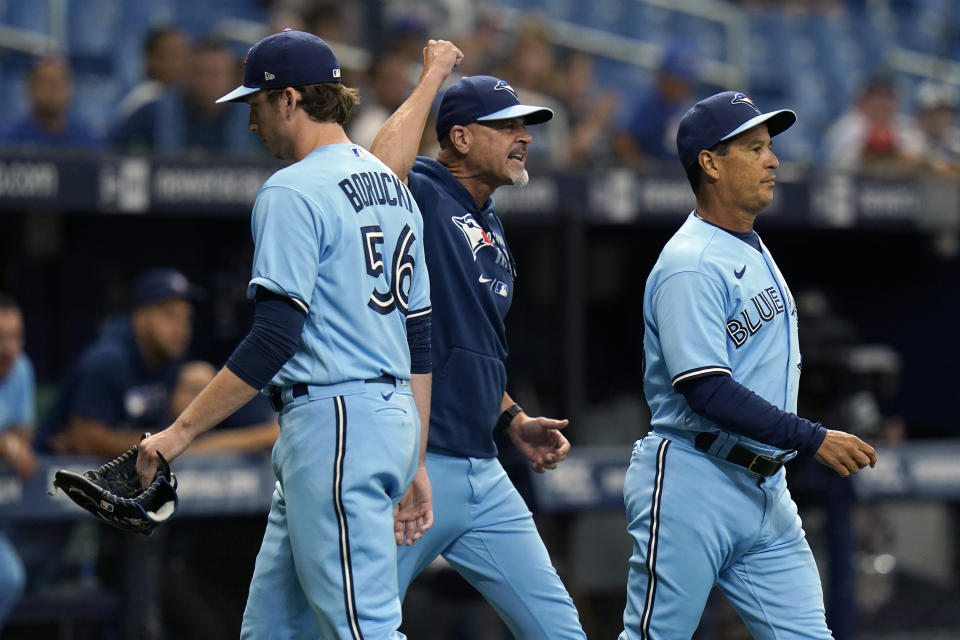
(777, 122)
(530, 114)
(238, 94)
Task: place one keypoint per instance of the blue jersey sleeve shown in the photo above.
(19, 394)
(287, 238)
(689, 309)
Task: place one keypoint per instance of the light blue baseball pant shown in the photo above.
(696, 521)
(13, 577)
(483, 528)
(327, 565)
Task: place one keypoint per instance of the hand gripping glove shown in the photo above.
(113, 493)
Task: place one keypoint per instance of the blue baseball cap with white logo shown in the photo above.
(286, 59)
(162, 284)
(722, 117)
(484, 98)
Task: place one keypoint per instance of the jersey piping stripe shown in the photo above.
(349, 596)
(294, 299)
(700, 371)
(300, 303)
(653, 542)
(419, 312)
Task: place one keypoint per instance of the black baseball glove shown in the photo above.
(113, 493)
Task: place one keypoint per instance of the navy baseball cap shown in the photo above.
(161, 284)
(286, 59)
(721, 117)
(483, 98)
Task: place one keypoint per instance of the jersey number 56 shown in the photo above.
(397, 295)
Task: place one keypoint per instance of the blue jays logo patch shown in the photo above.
(742, 98)
(477, 238)
(504, 86)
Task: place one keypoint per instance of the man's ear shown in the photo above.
(289, 99)
(708, 164)
(461, 139)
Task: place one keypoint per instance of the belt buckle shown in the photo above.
(276, 398)
(760, 457)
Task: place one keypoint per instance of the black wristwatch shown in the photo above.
(503, 422)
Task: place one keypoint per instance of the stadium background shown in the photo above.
(873, 262)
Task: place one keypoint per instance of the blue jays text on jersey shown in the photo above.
(711, 284)
(761, 308)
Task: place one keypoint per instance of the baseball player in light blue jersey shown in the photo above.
(483, 527)
(17, 395)
(706, 495)
(340, 341)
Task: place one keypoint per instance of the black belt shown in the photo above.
(758, 463)
(302, 389)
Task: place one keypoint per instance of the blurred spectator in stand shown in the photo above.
(936, 116)
(648, 128)
(590, 111)
(189, 119)
(389, 85)
(17, 391)
(166, 51)
(481, 46)
(405, 30)
(343, 24)
(531, 64)
(874, 136)
(125, 382)
(49, 124)
(257, 428)
(531, 69)
(332, 20)
(286, 15)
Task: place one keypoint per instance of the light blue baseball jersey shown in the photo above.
(340, 234)
(17, 392)
(714, 304)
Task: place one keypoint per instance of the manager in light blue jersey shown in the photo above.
(483, 527)
(706, 495)
(340, 342)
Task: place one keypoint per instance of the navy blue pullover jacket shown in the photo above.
(471, 287)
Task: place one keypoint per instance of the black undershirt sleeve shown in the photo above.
(273, 339)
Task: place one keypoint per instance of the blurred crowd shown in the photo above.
(597, 123)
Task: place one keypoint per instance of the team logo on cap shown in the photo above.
(504, 86)
(742, 98)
